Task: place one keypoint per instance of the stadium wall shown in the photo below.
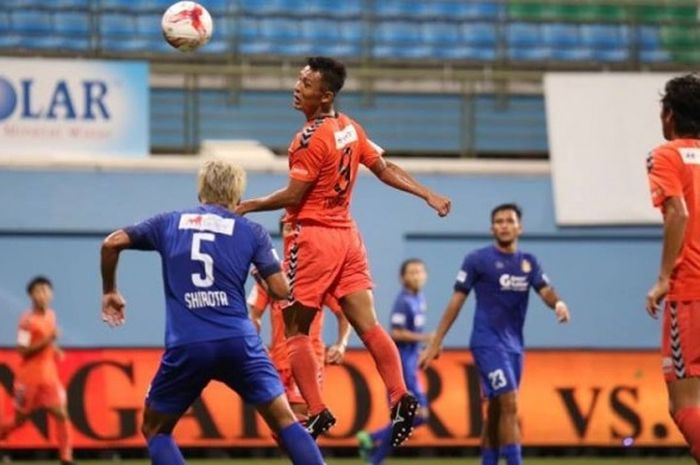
(52, 222)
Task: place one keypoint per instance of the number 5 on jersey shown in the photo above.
(206, 259)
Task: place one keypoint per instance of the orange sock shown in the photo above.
(65, 444)
(688, 421)
(386, 357)
(305, 370)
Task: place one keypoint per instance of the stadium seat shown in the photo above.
(10, 41)
(127, 44)
(605, 36)
(71, 23)
(532, 53)
(561, 35)
(73, 4)
(479, 34)
(610, 55)
(112, 24)
(31, 22)
(149, 25)
(397, 9)
(219, 7)
(342, 50)
(352, 31)
(523, 34)
(465, 53)
(292, 49)
(256, 47)
(280, 29)
(5, 23)
(447, 34)
(38, 42)
(655, 14)
(397, 51)
(674, 37)
(334, 8)
(264, 7)
(649, 37)
(73, 44)
(654, 56)
(119, 5)
(396, 32)
(248, 29)
(574, 54)
(320, 30)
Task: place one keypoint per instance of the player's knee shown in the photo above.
(508, 404)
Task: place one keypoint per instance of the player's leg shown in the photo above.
(509, 428)
(25, 401)
(182, 375)
(246, 368)
(56, 402)
(490, 445)
(681, 351)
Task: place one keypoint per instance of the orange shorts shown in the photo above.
(322, 261)
(680, 346)
(30, 397)
(290, 386)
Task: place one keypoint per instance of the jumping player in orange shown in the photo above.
(327, 255)
(674, 178)
(259, 301)
(36, 383)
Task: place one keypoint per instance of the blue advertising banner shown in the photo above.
(60, 107)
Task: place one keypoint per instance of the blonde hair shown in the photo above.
(222, 182)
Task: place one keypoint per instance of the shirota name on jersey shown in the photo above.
(201, 299)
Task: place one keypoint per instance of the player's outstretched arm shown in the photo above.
(675, 221)
(113, 304)
(454, 306)
(290, 196)
(393, 175)
(336, 352)
(406, 335)
(551, 299)
(277, 286)
(27, 350)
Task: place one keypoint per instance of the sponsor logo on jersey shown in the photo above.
(345, 136)
(514, 283)
(207, 222)
(690, 156)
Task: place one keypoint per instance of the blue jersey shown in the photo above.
(206, 254)
(409, 313)
(501, 282)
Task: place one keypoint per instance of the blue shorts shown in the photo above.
(240, 363)
(410, 377)
(500, 371)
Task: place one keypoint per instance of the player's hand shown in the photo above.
(440, 204)
(429, 354)
(561, 310)
(655, 295)
(241, 208)
(113, 309)
(335, 354)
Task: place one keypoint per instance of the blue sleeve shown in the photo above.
(538, 279)
(467, 275)
(265, 259)
(400, 315)
(146, 235)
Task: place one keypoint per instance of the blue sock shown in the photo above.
(419, 420)
(163, 451)
(383, 448)
(301, 448)
(489, 456)
(513, 454)
(380, 433)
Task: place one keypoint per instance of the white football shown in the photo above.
(187, 26)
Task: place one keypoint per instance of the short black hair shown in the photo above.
(332, 71)
(682, 98)
(409, 261)
(37, 281)
(507, 206)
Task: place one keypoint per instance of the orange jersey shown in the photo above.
(260, 301)
(328, 152)
(674, 171)
(41, 367)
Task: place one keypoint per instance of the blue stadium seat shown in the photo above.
(74, 44)
(561, 35)
(38, 42)
(280, 29)
(334, 8)
(262, 7)
(78, 4)
(216, 46)
(248, 29)
(341, 50)
(126, 44)
(532, 53)
(524, 34)
(121, 5)
(604, 36)
(398, 8)
(479, 34)
(407, 52)
(465, 53)
(611, 55)
(72, 23)
(149, 25)
(654, 56)
(5, 23)
(292, 49)
(321, 30)
(256, 47)
(352, 31)
(117, 25)
(9, 40)
(441, 33)
(218, 7)
(458, 9)
(397, 32)
(571, 54)
(31, 22)
(159, 46)
(649, 37)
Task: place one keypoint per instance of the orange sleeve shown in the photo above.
(258, 298)
(664, 175)
(369, 151)
(306, 162)
(333, 304)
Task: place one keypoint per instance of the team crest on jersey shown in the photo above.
(207, 222)
(526, 266)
